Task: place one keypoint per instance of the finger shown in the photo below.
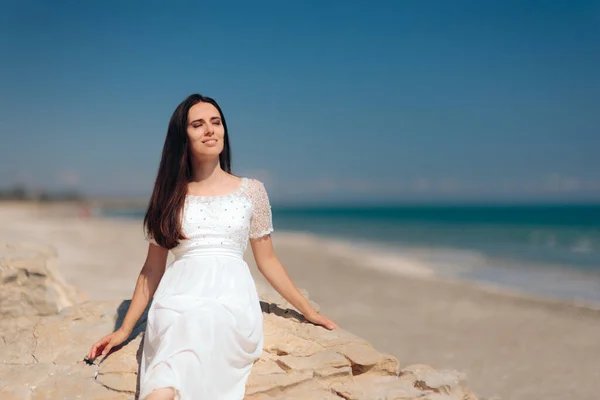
(330, 324)
(102, 343)
(98, 346)
(94, 351)
(97, 351)
(106, 350)
(324, 322)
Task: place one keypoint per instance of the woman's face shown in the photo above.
(205, 130)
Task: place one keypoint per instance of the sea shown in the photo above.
(551, 251)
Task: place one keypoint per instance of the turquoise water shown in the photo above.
(564, 235)
(550, 250)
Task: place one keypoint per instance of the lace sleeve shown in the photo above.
(261, 222)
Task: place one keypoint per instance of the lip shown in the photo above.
(210, 142)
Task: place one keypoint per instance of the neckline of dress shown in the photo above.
(240, 189)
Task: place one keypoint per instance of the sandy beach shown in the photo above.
(509, 346)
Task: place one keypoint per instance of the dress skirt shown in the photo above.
(205, 328)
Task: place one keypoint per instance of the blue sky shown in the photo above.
(325, 100)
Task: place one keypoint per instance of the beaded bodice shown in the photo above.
(227, 221)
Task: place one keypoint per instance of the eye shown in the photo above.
(217, 122)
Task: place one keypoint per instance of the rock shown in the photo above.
(392, 387)
(46, 362)
(44, 359)
(30, 286)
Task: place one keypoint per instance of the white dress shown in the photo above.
(205, 325)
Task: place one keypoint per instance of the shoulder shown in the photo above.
(255, 184)
(257, 192)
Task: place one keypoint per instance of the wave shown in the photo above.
(549, 281)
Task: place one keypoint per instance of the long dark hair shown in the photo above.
(162, 221)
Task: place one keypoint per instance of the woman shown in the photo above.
(205, 326)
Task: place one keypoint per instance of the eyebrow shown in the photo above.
(202, 119)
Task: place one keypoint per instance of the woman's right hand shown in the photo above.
(104, 345)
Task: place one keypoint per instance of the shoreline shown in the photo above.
(552, 279)
(391, 261)
(397, 263)
(373, 255)
(427, 274)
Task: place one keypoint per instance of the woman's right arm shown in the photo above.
(147, 282)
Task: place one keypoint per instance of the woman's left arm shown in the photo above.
(277, 276)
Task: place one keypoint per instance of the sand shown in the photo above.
(509, 346)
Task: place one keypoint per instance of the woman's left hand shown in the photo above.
(322, 320)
